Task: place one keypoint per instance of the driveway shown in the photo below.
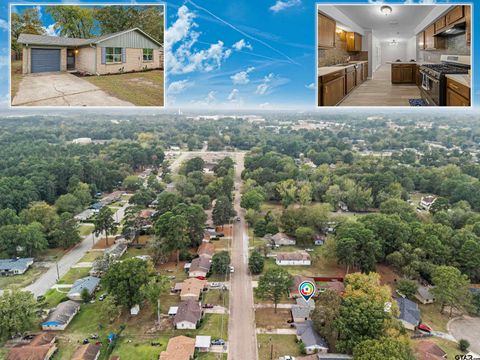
(468, 328)
(62, 89)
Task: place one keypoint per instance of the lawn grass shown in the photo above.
(140, 88)
(431, 315)
(20, 281)
(216, 297)
(320, 267)
(74, 274)
(17, 76)
(134, 349)
(267, 318)
(168, 300)
(53, 297)
(85, 230)
(211, 356)
(282, 345)
(91, 256)
(221, 244)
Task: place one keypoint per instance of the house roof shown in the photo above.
(279, 237)
(424, 292)
(42, 338)
(297, 255)
(63, 312)
(32, 39)
(15, 264)
(202, 341)
(206, 249)
(200, 263)
(297, 280)
(334, 357)
(309, 304)
(29, 352)
(301, 311)
(428, 350)
(309, 336)
(116, 250)
(334, 285)
(409, 311)
(188, 310)
(86, 352)
(179, 348)
(193, 286)
(89, 282)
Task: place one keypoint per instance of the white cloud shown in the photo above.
(242, 44)
(210, 98)
(265, 105)
(4, 25)
(284, 4)
(265, 86)
(310, 86)
(50, 30)
(181, 55)
(178, 87)
(234, 95)
(3, 61)
(241, 78)
(39, 9)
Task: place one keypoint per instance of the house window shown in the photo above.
(147, 54)
(113, 55)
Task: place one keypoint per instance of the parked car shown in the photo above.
(425, 328)
(94, 336)
(238, 218)
(214, 284)
(220, 235)
(308, 249)
(201, 277)
(208, 306)
(232, 269)
(286, 357)
(218, 342)
(102, 297)
(86, 341)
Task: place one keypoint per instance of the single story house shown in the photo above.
(206, 249)
(302, 310)
(84, 215)
(41, 347)
(280, 239)
(123, 51)
(332, 356)
(87, 352)
(14, 266)
(202, 343)
(297, 258)
(192, 288)
(409, 313)
(188, 315)
(89, 283)
(424, 295)
(116, 250)
(313, 342)
(297, 280)
(428, 350)
(135, 310)
(59, 318)
(427, 201)
(179, 348)
(199, 267)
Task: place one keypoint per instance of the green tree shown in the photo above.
(304, 235)
(256, 262)
(274, 284)
(399, 207)
(167, 201)
(132, 183)
(287, 190)
(73, 21)
(407, 287)
(221, 262)
(86, 297)
(172, 234)
(463, 345)
(68, 203)
(27, 22)
(385, 348)
(252, 200)
(327, 308)
(153, 290)
(66, 234)
(222, 211)
(451, 288)
(125, 281)
(104, 222)
(17, 313)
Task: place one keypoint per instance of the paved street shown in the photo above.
(49, 278)
(241, 327)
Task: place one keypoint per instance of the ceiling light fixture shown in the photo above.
(385, 9)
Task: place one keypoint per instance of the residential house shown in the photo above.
(89, 283)
(84, 215)
(280, 239)
(332, 356)
(297, 280)
(199, 267)
(123, 51)
(172, 311)
(16, 266)
(409, 313)
(312, 341)
(206, 249)
(427, 201)
(302, 309)
(428, 350)
(112, 197)
(116, 250)
(87, 352)
(192, 288)
(297, 258)
(61, 316)
(424, 295)
(319, 239)
(188, 315)
(179, 348)
(41, 347)
(202, 343)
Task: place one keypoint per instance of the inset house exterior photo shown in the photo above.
(124, 51)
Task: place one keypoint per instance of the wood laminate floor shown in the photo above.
(379, 91)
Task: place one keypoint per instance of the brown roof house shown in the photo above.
(41, 347)
(280, 239)
(87, 352)
(428, 350)
(297, 258)
(297, 280)
(123, 51)
(188, 315)
(192, 289)
(206, 250)
(179, 348)
(200, 267)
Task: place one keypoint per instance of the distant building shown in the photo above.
(17, 266)
(206, 249)
(199, 267)
(61, 316)
(202, 343)
(424, 295)
(188, 315)
(192, 288)
(298, 258)
(179, 348)
(312, 341)
(82, 141)
(427, 201)
(428, 350)
(41, 347)
(87, 352)
(409, 313)
(88, 283)
(280, 239)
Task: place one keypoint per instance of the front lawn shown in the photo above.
(282, 345)
(20, 281)
(431, 315)
(16, 77)
(85, 230)
(267, 318)
(216, 297)
(211, 356)
(74, 274)
(137, 348)
(215, 325)
(140, 88)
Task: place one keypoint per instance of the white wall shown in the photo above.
(376, 53)
(412, 48)
(342, 20)
(392, 53)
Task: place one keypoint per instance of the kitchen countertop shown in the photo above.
(325, 70)
(410, 62)
(460, 78)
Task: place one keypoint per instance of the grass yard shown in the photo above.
(16, 76)
(267, 318)
(431, 315)
(170, 269)
(74, 274)
(134, 349)
(140, 88)
(320, 266)
(222, 244)
(91, 256)
(282, 345)
(20, 281)
(216, 297)
(211, 325)
(168, 300)
(211, 356)
(53, 297)
(85, 230)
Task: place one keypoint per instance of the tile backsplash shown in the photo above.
(456, 45)
(339, 53)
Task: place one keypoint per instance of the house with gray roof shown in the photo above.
(123, 51)
(409, 313)
(88, 283)
(424, 294)
(61, 316)
(116, 250)
(302, 309)
(199, 267)
(280, 239)
(14, 266)
(188, 315)
(313, 342)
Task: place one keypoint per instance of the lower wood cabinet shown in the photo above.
(350, 79)
(404, 73)
(331, 88)
(457, 94)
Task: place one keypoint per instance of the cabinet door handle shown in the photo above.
(454, 86)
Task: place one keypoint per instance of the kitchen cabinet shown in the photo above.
(325, 31)
(354, 41)
(418, 76)
(421, 40)
(403, 73)
(359, 74)
(440, 24)
(457, 94)
(364, 71)
(350, 79)
(331, 88)
(433, 42)
(454, 15)
(468, 20)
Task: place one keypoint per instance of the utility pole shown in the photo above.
(58, 272)
(158, 311)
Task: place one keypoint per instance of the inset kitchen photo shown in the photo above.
(394, 55)
(102, 56)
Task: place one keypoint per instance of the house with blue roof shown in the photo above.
(16, 266)
(89, 283)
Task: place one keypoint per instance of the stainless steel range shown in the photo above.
(433, 87)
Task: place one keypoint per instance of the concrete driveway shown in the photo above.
(468, 328)
(62, 89)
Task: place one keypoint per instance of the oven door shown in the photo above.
(430, 89)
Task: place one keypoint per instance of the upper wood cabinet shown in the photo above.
(354, 41)
(440, 24)
(433, 42)
(326, 31)
(468, 20)
(454, 15)
(421, 40)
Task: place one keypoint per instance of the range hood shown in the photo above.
(453, 30)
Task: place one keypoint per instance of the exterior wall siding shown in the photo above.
(134, 62)
(132, 39)
(85, 60)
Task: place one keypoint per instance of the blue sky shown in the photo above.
(230, 54)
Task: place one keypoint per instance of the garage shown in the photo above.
(44, 60)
